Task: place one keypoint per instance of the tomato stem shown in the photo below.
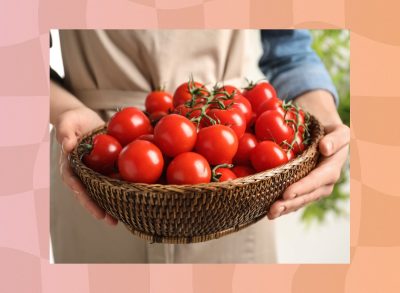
(215, 97)
(289, 106)
(160, 88)
(216, 176)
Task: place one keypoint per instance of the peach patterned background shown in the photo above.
(24, 146)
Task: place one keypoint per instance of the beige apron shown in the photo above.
(110, 69)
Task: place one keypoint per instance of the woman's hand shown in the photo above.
(333, 148)
(70, 125)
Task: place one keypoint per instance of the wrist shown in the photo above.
(321, 104)
(61, 101)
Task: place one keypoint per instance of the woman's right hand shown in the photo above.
(69, 126)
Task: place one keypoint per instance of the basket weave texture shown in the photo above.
(194, 213)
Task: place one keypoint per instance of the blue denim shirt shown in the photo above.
(291, 65)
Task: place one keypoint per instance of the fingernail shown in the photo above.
(109, 220)
(329, 146)
(281, 210)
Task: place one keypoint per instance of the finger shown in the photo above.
(79, 190)
(301, 201)
(96, 211)
(283, 207)
(327, 172)
(276, 209)
(338, 137)
(70, 179)
(110, 220)
(66, 136)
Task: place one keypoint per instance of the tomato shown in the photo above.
(175, 134)
(156, 116)
(246, 144)
(267, 155)
(298, 145)
(252, 122)
(188, 168)
(259, 93)
(102, 154)
(148, 137)
(128, 124)
(235, 101)
(217, 143)
(229, 89)
(243, 171)
(271, 104)
(182, 110)
(225, 174)
(185, 110)
(290, 155)
(159, 101)
(230, 117)
(115, 176)
(292, 119)
(271, 125)
(140, 162)
(186, 90)
(244, 106)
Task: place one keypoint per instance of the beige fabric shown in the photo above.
(109, 69)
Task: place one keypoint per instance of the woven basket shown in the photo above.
(194, 213)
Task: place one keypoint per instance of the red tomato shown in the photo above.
(156, 116)
(217, 143)
(290, 155)
(102, 153)
(148, 137)
(252, 122)
(272, 126)
(184, 111)
(243, 171)
(232, 118)
(271, 104)
(188, 168)
(267, 155)
(259, 93)
(292, 119)
(141, 162)
(226, 94)
(244, 106)
(246, 144)
(159, 101)
(175, 134)
(230, 89)
(128, 124)
(186, 90)
(298, 145)
(225, 174)
(116, 176)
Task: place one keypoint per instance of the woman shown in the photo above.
(109, 69)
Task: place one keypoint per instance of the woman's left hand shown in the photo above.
(333, 148)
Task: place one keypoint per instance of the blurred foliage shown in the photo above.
(333, 47)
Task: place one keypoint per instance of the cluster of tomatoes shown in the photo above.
(199, 135)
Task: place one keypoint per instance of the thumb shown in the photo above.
(68, 144)
(66, 136)
(337, 137)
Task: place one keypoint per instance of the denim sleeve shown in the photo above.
(291, 65)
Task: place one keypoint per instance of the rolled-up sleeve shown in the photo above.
(291, 65)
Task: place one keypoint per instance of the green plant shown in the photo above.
(333, 47)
